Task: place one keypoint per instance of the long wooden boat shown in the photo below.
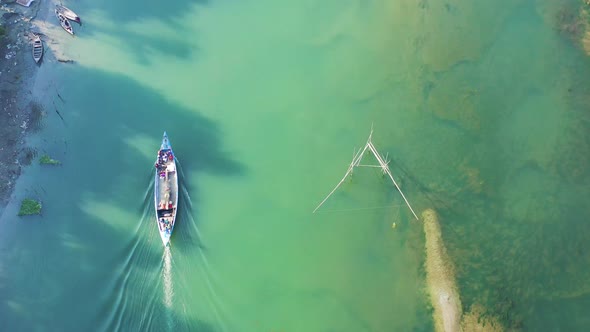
(37, 48)
(68, 13)
(166, 190)
(63, 21)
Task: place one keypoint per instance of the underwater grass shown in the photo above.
(27, 155)
(29, 207)
(36, 116)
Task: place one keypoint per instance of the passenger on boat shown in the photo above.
(160, 161)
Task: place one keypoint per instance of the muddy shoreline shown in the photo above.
(20, 112)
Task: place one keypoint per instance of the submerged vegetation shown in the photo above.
(573, 21)
(446, 302)
(27, 155)
(36, 116)
(477, 320)
(47, 160)
(29, 207)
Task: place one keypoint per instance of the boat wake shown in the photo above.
(193, 234)
(191, 240)
(168, 286)
(132, 283)
(145, 292)
(167, 278)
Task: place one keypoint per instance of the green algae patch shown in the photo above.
(29, 207)
(47, 160)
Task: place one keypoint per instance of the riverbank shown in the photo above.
(21, 112)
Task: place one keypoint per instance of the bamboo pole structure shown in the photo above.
(386, 170)
(350, 168)
(356, 162)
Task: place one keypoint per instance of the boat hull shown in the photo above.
(37, 49)
(65, 24)
(69, 14)
(166, 191)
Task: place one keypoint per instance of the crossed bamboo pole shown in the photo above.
(356, 163)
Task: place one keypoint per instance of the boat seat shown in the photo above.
(165, 212)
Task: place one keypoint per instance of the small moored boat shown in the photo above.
(37, 48)
(63, 21)
(166, 190)
(68, 13)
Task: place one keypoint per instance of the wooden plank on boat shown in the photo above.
(25, 3)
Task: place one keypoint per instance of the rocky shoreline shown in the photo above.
(17, 76)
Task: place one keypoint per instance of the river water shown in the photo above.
(481, 108)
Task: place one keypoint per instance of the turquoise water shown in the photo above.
(481, 108)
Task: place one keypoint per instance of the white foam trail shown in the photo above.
(168, 286)
(167, 278)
